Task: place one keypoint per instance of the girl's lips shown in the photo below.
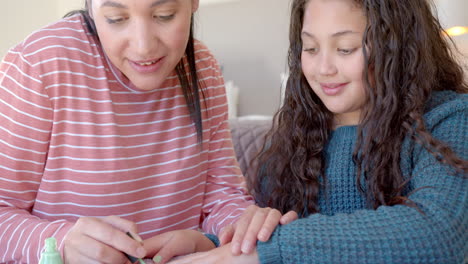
(147, 66)
(331, 89)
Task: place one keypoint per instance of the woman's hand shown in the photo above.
(218, 255)
(255, 223)
(176, 243)
(102, 240)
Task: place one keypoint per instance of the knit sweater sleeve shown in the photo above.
(25, 127)
(225, 195)
(393, 234)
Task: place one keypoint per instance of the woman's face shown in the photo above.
(144, 39)
(332, 58)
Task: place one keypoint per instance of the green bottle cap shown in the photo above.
(50, 244)
(50, 254)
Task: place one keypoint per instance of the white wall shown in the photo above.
(453, 13)
(65, 6)
(250, 40)
(18, 18)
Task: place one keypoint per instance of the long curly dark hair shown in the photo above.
(409, 58)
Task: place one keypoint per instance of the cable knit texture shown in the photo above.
(348, 231)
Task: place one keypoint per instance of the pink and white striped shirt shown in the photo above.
(77, 139)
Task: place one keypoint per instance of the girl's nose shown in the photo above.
(327, 65)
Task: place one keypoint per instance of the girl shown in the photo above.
(114, 120)
(371, 144)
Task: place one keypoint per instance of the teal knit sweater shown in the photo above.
(347, 231)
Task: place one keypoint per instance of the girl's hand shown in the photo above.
(218, 255)
(176, 243)
(255, 223)
(102, 240)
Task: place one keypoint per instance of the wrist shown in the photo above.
(213, 240)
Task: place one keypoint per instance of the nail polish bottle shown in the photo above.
(50, 254)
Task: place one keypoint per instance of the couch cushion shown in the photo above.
(248, 137)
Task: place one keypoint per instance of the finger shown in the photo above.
(123, 225)
(269, 225)
(78, 258)
(164, 255)
(215, 256)
(93, 251)
(289, 217)
(109, 235)
(250, 237)
(154, 244)
(71, 256)
(162, 247)
(180, 243)
(201, 257)
(226, 235)
(241, 227)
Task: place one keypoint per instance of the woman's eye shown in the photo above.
(115, 20)
(165, 17)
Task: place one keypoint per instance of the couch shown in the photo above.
(248, 135)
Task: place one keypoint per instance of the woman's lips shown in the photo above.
(147, 66)
(331, 89)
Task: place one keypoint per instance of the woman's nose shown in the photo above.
(144, 40)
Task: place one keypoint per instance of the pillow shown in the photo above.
(248, 135)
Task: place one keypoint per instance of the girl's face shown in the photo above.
(144, 39)
(332, 58)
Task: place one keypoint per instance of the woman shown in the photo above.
(114, 120)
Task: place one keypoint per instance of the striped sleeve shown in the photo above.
(25, 128)
(225, 196)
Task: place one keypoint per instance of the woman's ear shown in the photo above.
(195, 4)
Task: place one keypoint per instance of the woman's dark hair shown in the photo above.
(188, 81)
(406, 59)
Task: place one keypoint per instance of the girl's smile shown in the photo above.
(332, 89)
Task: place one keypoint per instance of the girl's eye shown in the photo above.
(346, 51)
(311, 50)
(115, 21)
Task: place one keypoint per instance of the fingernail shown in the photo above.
(246, 246)
(135, 236)
(157, 259)
(262, 235)
(141, 252)
(236, 247)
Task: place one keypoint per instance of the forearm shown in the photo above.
(23, 235)
(226, 212)
(388, 235)
(226, 197)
